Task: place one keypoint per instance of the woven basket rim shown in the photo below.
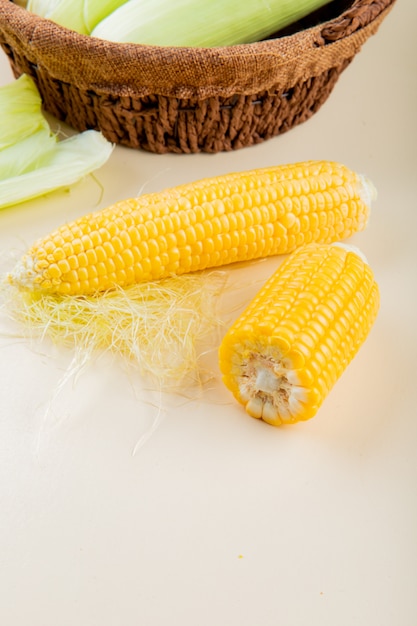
(141, 69)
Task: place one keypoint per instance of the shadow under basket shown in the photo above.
(188, 100)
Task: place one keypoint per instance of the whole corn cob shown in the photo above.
(283, 355)
(205, 224)
(201, 22)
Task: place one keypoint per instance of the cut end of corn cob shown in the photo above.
(281, 358)
(206, 224)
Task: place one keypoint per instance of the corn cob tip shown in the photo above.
(23, 275)
(368, 191)
(351, 248)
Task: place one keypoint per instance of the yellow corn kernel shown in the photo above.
(215, 221)
(286, 351)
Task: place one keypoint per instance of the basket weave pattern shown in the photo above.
(186, 100)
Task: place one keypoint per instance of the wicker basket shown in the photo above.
(189, 100)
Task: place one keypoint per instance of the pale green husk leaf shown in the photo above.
(42, 7)
(202, 23)
(95, 12)
(30, 153)
(70, 15)
(72, 159)
(20, 111)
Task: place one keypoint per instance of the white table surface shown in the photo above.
(217, 518)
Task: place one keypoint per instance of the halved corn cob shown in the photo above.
(205, 224)
(286, 351)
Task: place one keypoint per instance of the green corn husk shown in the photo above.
(66, 13)
(42, 7)
(202, 23)
(78, 15)
(72, 159)
(20, 111)
(27, 154)
(95, 12)
(32, 159)
(69, 14)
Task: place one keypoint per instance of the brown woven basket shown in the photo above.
(186, 100)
